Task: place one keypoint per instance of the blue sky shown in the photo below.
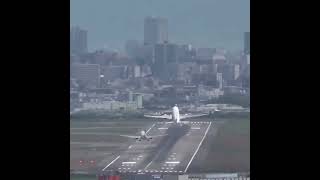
(202, 23)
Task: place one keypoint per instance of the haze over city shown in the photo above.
(205, 23)
(160, 90)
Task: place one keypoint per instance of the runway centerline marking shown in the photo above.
(205, 134)
(156, 155)
(111, 163)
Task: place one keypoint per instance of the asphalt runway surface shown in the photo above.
(172, 153)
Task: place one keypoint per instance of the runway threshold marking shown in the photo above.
(172, 162)
(111, 163)
(130, 162)
(205, 134)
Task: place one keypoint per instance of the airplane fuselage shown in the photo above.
(143, 136)
(175, 114)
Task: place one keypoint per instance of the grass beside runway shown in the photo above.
(225, 149)
(82, 177)
(93, 139)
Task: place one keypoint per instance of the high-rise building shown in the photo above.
(165, 58)
(78, 40)
(247, 43)
(205, 53)
(220, 80)
(185, 52)
(138, 99)
(132, 48)
(155, 30)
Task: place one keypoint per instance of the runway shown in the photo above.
(168, 154)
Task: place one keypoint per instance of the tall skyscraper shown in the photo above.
(155, 30)
(78, 40)
(247, 43)
(165, 58)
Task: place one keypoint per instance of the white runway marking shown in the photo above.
(162, 128)
(173, 162)
(110, 163)
(150, 161)
(129, 162)
(148, 165)
(205, 134)
(195, 128)
(150, 128)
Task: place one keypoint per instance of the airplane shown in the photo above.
(143, 136)
(176, 117)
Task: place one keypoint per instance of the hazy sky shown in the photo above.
(202, 23)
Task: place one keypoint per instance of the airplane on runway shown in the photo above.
(143, 136)
(176, 117)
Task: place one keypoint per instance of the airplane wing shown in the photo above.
(133, 137)
(165, 116)
(191, 116)
(157, 136)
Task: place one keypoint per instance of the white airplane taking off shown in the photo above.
(143, 136)
(176, 117)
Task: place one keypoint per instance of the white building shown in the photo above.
(236, 71)
(136, 71)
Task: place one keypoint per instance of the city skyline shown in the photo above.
(204, 24)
